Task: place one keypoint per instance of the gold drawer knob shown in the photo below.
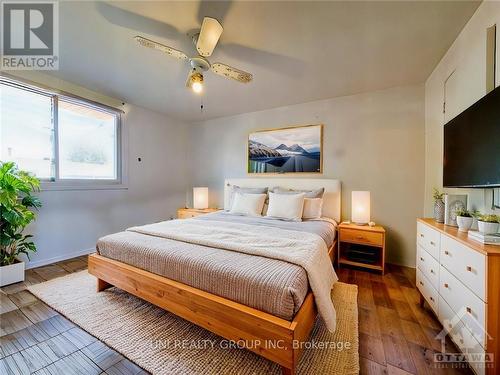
(469, 268)
(360, 238)
(446, 285)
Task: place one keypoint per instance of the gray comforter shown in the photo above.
(269, 285)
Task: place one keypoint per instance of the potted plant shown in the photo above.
(465, 219)
(16, 212)
(488, 224)
(438, 206)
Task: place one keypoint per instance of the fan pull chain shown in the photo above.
(201, 105)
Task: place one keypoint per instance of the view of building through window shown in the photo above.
(86, 137)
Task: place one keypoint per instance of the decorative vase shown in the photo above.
(487, 228)
(439, 211)
(464, 223)
(13, 273)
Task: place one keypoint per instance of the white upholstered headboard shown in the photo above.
(331, 198)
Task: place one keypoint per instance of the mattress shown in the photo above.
(269, 285)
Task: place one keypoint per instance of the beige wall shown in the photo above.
(466, 59)
(372, 141)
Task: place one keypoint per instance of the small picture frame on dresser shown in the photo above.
(452, 203)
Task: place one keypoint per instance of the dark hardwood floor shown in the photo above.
(397, 336)
(36, 339)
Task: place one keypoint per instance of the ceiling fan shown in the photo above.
(205, 42)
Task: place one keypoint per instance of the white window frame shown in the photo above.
(57, 183)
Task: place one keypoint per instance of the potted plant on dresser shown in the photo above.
(465, 219)
(488, 224)
(438, 206)
(16, 212)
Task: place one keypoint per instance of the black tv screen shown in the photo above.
(472, 145)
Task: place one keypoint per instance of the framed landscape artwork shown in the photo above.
(286, 150)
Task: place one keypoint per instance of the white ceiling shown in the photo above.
(297, 51)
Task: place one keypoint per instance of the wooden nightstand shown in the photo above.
(188, 213)
(362, 246)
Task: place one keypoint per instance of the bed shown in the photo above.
(265, 304)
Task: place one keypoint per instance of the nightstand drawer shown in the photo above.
(187, 215)
(361, 237)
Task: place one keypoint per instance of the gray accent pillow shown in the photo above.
(245, 190)
(318, 193)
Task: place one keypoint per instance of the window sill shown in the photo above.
(55, 186)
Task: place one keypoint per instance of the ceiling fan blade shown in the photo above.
(230, 72)
(160, 47)
(210, 33)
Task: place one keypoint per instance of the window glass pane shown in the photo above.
(26, 132)
(87, 142)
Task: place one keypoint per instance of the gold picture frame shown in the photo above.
(287, 150)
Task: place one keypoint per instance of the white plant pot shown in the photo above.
(12, 273)
(464, 223)
(487, 228)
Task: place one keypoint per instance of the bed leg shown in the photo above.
(102, 285)
(287, 371)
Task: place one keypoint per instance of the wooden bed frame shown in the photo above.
(267, 335)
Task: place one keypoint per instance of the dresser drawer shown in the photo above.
(469, 308)
(469, 266)
(428, 266)
(429, 239)
(460, 335)
(430, 294)
(361, 237)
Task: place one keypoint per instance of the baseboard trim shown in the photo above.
(44, 262)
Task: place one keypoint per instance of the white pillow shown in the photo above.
(286, 206)
(248, 204)
(312, 208)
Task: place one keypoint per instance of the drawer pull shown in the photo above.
(360, 238)
(446, 285)
(446, 252)
(433, 244)
(421, 235)
(432, 271)
(469, 268)
(450, 325)
(421, 283)
(462, 341)
(469, 310)
(422, 259)
(432, 299)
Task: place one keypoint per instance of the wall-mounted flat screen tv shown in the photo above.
(472, 145)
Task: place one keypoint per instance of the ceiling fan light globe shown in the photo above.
(197, 87)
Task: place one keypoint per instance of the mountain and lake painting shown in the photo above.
(286, 150)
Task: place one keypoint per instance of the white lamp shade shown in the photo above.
(360, 207)
(200, 197)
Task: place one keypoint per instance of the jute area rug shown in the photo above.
(163, 343)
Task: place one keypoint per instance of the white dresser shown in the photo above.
(460, 280)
